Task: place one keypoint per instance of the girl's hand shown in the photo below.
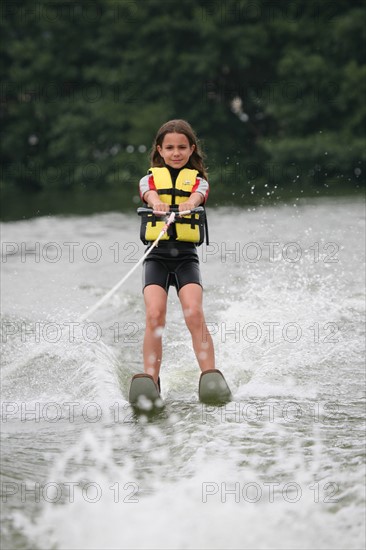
(160, 207)
(186, 206)
(193, 201)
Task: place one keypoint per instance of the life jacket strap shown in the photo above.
(192, 221)
(173, 192)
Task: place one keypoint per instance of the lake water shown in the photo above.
(282, 466)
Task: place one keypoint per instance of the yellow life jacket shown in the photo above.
(188, 228)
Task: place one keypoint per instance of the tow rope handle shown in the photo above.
(143, 210)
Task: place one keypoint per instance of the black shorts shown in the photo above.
(172, 264)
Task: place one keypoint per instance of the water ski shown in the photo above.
(144, 394)
(213, 388)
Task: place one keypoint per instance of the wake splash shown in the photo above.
(112, 498)
(58, 380)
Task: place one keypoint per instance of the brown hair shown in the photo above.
(180, 127)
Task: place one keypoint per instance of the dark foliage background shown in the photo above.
(274, 89)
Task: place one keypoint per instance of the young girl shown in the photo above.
(177, 177)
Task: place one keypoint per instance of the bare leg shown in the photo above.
(190, 297)
(155, 303)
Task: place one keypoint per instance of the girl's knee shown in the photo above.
(155, 317)
(194, 318)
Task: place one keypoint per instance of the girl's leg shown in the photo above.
(190, 297)
(155, 303)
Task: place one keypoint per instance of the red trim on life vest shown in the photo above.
(152, 186)
(195, 187)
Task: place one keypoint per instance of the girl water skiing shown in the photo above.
(177, 180)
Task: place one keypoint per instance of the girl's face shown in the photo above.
(175, 149)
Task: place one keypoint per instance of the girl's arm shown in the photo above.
(153, 200)
(196, 199)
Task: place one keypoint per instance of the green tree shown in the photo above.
(275, 90)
